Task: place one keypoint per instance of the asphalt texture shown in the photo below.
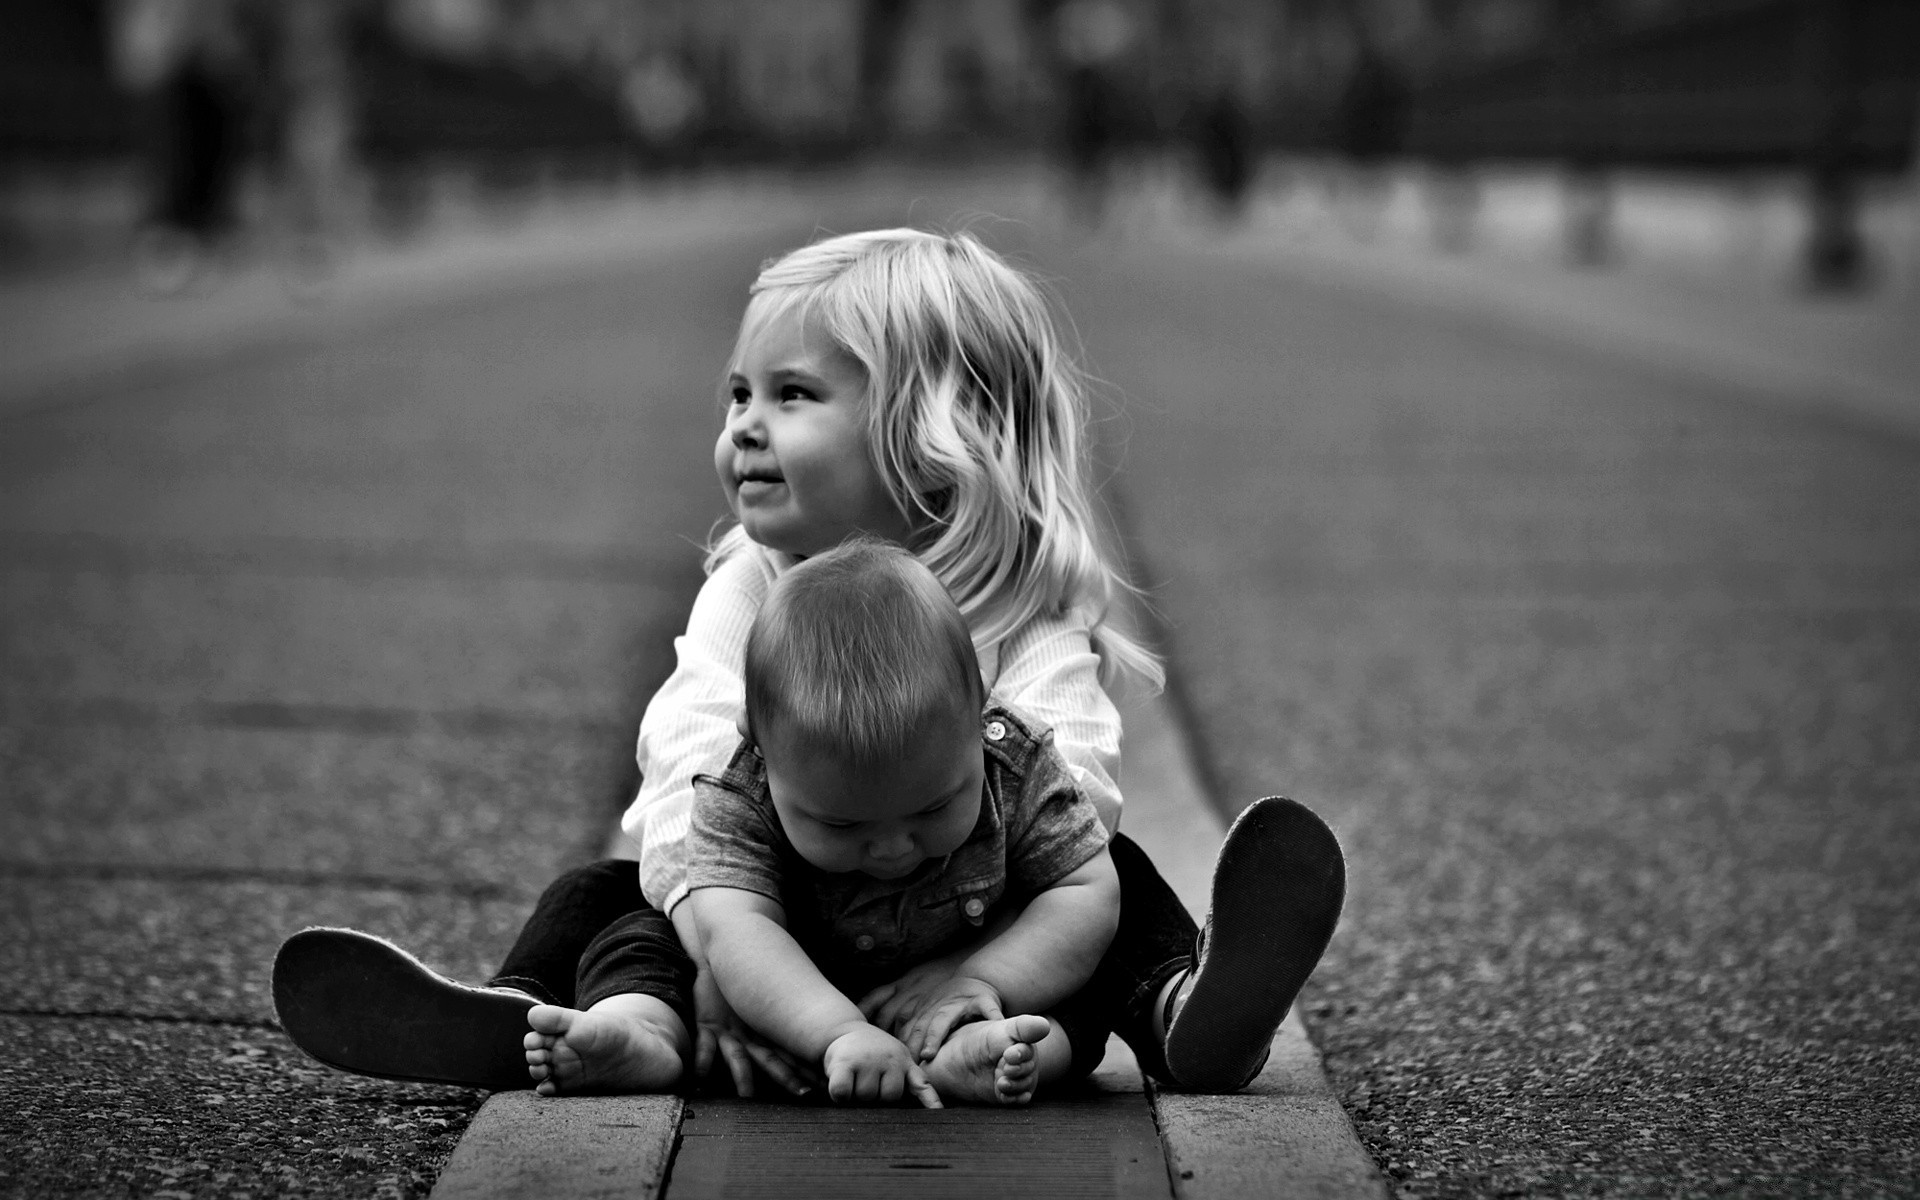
(1610, 682)
(354, 632)
(1605, 676)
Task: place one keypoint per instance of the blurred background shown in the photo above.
(1513, 412)
(1771, 135)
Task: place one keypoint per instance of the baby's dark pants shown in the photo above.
(593, 935)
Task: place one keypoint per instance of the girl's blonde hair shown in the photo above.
(975, 424)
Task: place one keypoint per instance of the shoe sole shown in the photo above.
(362, 1004)
(1277, 890)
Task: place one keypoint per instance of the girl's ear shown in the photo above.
(746, 733)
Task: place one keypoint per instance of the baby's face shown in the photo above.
(885, 823)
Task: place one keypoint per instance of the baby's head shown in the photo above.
(864, 697)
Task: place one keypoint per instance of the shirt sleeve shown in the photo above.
(692, 724)
(1053, 828)
(1048, 670)
(730, 842)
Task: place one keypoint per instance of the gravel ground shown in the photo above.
(351, 632)
(1607, 683)
(174, 1110)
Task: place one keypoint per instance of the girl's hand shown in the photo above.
(867, 1063)
(720, 1034)
(892, 1005)
(962, 1000)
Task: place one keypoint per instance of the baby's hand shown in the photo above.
(720, 1034)
(867, 1063)
(963, 999)
(892, 1005)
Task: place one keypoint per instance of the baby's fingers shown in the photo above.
(932, 1028)
(739, 1064)
(705, 1046)
(921, 1088)
(840, 1084)
(780, 1068)
(871, 1003)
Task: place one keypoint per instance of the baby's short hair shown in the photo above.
(855, 652)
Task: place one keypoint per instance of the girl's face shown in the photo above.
(793, 454)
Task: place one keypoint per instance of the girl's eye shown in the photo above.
(741, 395)
(795, 392)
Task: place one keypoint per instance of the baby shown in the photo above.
(878, 814)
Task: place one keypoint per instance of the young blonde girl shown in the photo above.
(910, 386)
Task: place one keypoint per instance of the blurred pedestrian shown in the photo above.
(1372, 121)
(1090, 38)
(1222, 136)
(191, 65)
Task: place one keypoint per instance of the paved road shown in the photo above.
(1611, 682)
(1606, 679)
(356, 633)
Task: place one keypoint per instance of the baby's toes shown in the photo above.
(1017, 1074)
(1018, 1059)
(1012, 1089)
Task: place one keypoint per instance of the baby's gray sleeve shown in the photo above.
(731, 843)
(1055, 828)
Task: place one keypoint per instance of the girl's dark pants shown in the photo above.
(593, 935)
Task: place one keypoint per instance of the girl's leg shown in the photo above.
(633, 1030)
(362, 1004)
(1201, 1011)
(572, 912)
(1151, 951)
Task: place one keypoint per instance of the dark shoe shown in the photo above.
(1277, 890)
(362, 1004)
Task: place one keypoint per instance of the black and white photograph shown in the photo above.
(920, 599)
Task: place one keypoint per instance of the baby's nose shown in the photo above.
(891, 845)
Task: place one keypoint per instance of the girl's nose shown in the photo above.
(744, 427)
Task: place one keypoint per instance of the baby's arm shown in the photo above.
(775, 987)
(1048, 953)
(691, 727)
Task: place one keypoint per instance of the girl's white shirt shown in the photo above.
(1047, 669)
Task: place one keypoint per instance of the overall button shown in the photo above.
(864, 941)
(975, 907)
(996, 730)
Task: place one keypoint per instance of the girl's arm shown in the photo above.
(777, 989)
(691, 726)
(1048, 670)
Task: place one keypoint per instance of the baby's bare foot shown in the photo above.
(990, 1062)
(622, 1044)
